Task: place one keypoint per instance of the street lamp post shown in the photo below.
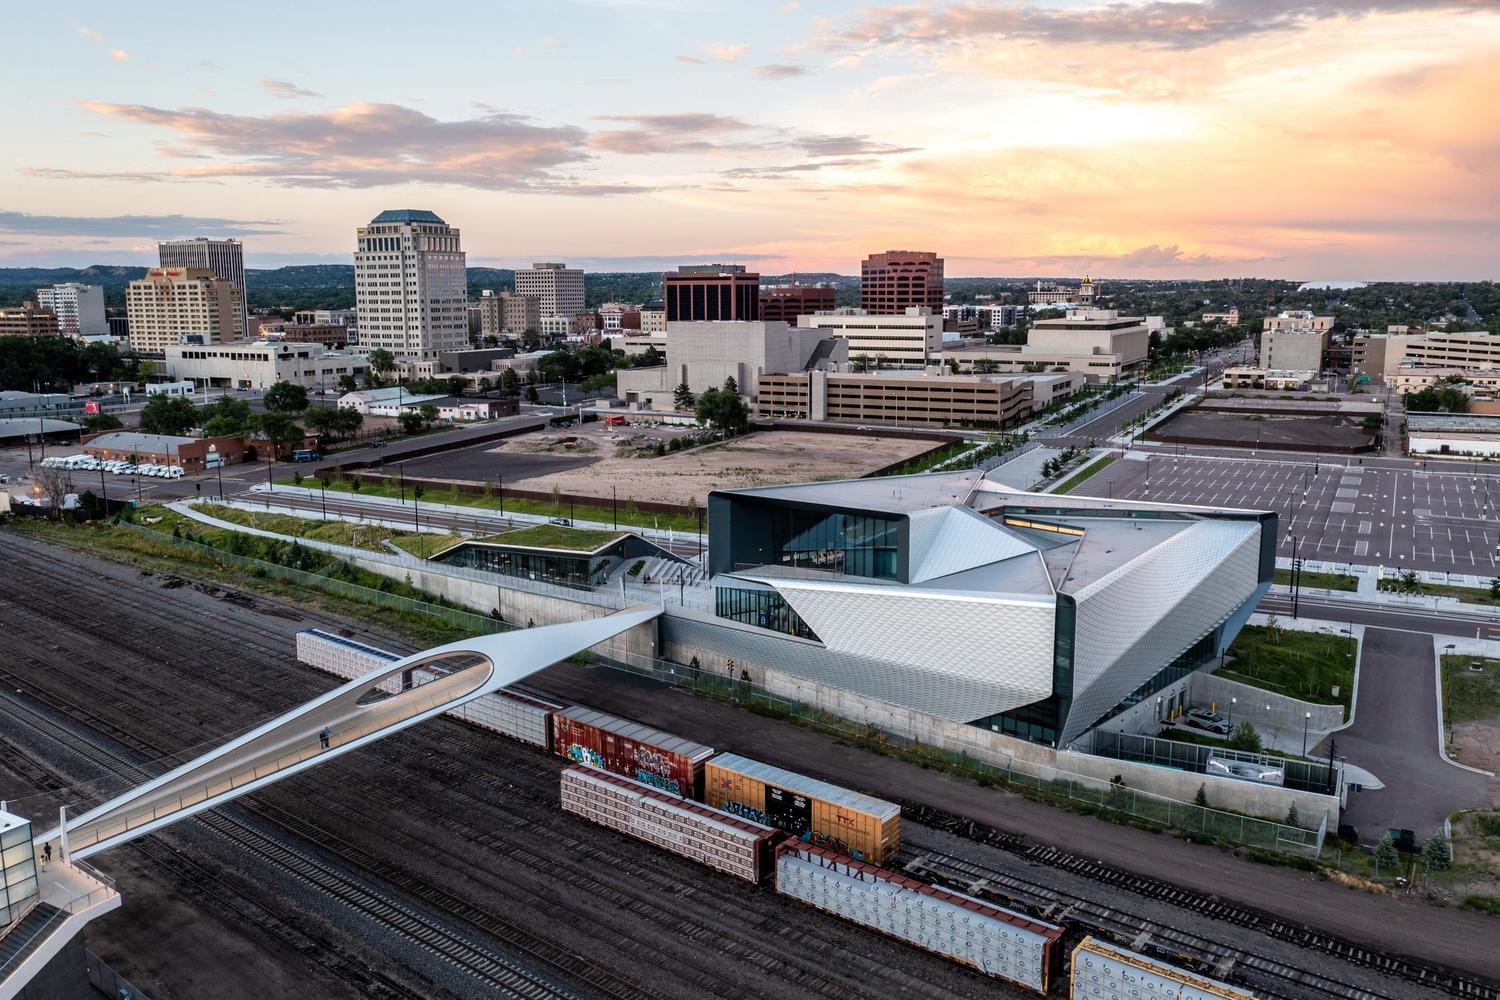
(1306, 718)
(219, 469)
(1232, 703)
(1296, 571)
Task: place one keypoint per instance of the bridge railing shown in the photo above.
(90, 832)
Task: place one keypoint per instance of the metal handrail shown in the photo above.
(95, 832)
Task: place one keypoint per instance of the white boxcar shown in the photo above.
(519, 716)
(726, 843)
(1103, 971)
(989, 938)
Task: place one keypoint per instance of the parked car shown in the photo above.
(1245, 770)
(562, 521)
(1213, 722)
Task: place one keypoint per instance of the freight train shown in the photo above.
(821, 844)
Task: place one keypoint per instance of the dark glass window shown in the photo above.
(762, 608)
(854, 544)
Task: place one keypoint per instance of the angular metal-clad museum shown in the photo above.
(1034, 615)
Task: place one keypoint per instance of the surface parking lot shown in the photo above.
(1338, 511)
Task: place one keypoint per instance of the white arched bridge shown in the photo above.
(344, 719)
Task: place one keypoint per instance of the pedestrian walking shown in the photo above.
(325, 737)
(46, 854)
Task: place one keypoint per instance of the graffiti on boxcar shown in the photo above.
(658, 781)
(747, 812)
(831, 843)
(585, 755)
(648, 759)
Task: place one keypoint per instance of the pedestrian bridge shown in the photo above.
(353, 715)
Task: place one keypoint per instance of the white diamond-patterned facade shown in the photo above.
(949, 594)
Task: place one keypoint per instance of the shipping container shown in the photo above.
(682, 826)
(814, 811)
(524, 717)
(345, 658)
(658, 759)
(1103, 971)
(985, 937)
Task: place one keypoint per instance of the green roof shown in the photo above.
(555, 536)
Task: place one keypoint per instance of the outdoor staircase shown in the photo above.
(24, 937)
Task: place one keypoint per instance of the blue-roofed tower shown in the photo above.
(411, 284)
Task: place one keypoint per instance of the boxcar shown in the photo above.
(989, 938)
(817, 812)
(658, 759)
(1103, 971)
(725, 843)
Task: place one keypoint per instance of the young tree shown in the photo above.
(531, 395)
(1245, 737)
(382, 362)
(1292, 819)
(285, 397)
(861, 362)
(510, 383)
(95, 422)
(1495, 587)
(429, 413)
(411, 421)
(227, 416)
(456, 385)
(145, 371)
(1437, 855)
(1201, 799)
(346, 384)
(731, 386)
(355, 482)
(682, 397)
(171, 415)
(280, 430)
(1386, 855)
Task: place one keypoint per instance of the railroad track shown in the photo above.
(483, 964)
(1449, 981)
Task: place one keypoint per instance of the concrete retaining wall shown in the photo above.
(1266, 801)
(1266, 710)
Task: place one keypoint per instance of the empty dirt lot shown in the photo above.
(603, 458)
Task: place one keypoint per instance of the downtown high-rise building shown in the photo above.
(411, 286)
(79, 308)
(171, 306)
(892, 282)
(711, 292)
(225, 258)
(558, 288)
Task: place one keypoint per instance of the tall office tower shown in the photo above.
(225, 258)
(411, 286)
(192, 305)
(896, 280)
(559, 289)
(79, 308)
(787, 302)
(711, 292)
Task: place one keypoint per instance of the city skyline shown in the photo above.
(1150, 140)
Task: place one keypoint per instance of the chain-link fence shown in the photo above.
(989, 766)
(475, 624)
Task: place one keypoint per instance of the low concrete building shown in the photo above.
(1476, 381)
(1121, 341)
(705, 354)
(1262, 378)
(1007, 359)
(388, 402)
(1465, 435)
(921, 399)
(164, 449)
(911, 339)
(261, 364)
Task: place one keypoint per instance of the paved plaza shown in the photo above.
(1337, 511)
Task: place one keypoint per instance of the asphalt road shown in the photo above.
(1395, 737)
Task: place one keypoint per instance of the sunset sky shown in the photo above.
(1354, 140)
